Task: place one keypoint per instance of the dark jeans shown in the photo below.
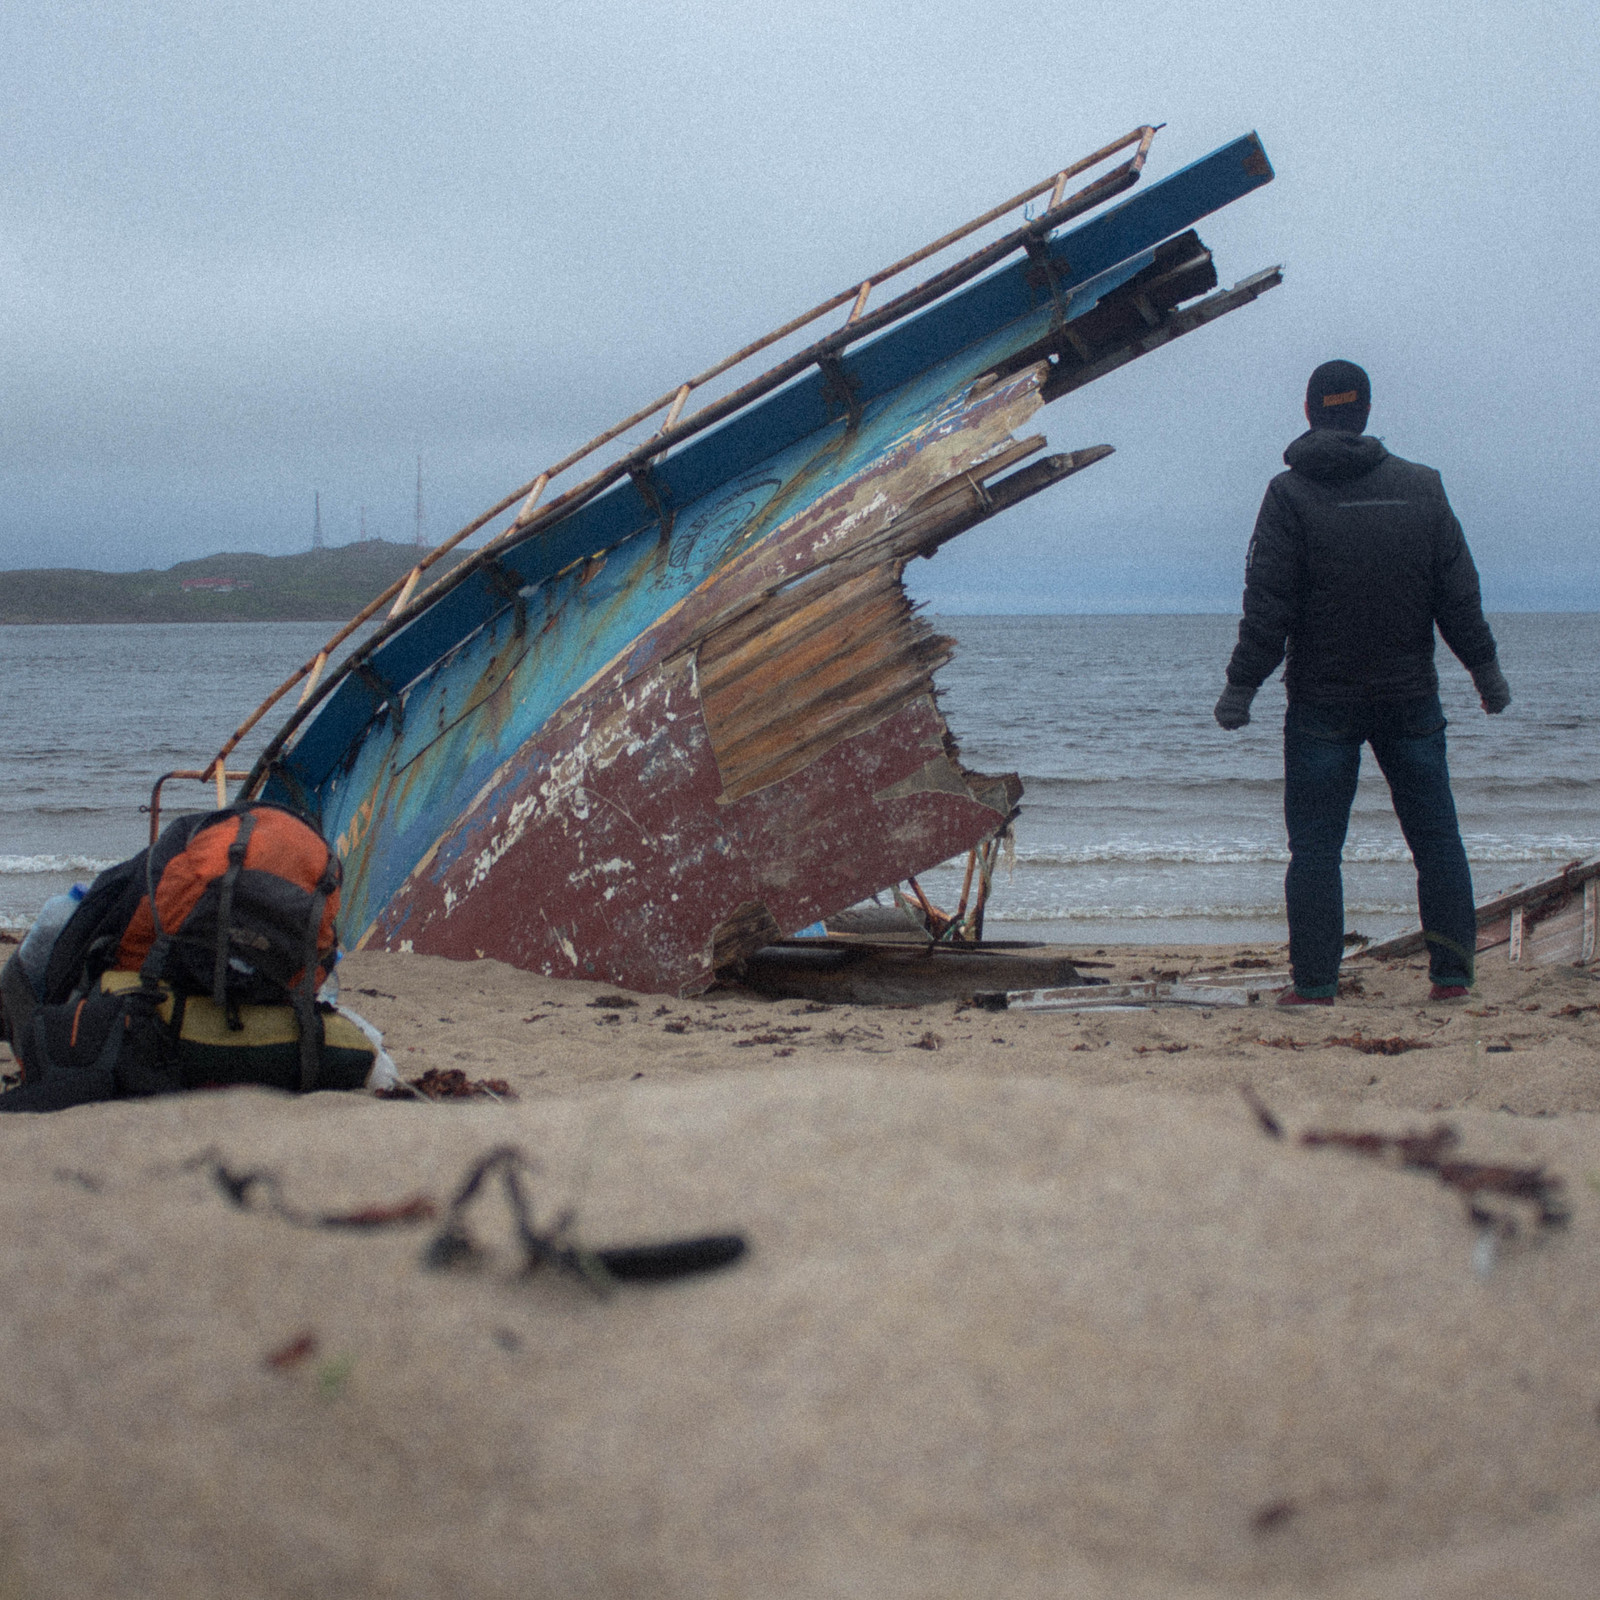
(1321, 762)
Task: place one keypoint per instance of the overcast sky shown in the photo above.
(252, 251)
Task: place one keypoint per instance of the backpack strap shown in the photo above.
(305, 1001)
(146, 1060)
(236, 850)
(154, 966)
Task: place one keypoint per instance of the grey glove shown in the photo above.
(1233, 709)
(1493, 690)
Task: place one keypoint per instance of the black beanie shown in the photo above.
(1339, 395)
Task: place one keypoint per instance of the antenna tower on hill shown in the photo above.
(419, 503)
(316, 526)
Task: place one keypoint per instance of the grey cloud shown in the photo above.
(250, 252)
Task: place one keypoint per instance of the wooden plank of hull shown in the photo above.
(863, 657)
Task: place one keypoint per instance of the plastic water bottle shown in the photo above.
(33, 955)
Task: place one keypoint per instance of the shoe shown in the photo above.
(1449, 991)
(1292, 997)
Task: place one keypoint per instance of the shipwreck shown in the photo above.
(684, 707)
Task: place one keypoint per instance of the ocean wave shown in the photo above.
(23, 817)
(30, 866)
(1485, 849)
(1166, 852)
(1502, 784)
(1268, 911)
(1140, 785)
(1153, 781)
(1557, 851)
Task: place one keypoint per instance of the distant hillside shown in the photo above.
(315, 586)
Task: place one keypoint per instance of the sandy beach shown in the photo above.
(1033, 1306)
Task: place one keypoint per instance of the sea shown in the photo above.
(1142, 821)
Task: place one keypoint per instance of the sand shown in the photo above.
(1032, 1307)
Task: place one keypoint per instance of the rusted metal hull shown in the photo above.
(698, 714)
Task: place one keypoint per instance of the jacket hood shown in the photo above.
(1332, 455)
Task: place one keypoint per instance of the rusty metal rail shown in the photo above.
(221, 779)
(404, 600)
(961, 926)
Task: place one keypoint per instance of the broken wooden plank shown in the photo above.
(862, 971)
(1563, 937)
(1137, 996)
(1511, 918)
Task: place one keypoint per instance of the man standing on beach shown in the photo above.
(1356, 556)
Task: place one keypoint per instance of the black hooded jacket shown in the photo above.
(1356, 555)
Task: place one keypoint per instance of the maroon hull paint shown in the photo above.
(614, 832)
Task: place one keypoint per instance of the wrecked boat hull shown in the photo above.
(697, 713)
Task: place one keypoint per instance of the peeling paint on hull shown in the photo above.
(628, 880)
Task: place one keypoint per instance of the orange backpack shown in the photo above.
(246, 900)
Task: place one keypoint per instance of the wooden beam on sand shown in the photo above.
(1548, 923)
